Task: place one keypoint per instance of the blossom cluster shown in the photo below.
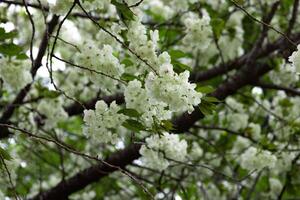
(103, 124)
(295, 59)
(15, 74)
(254, 158)
(102, 67)
(158, 149)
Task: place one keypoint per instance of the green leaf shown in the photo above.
(167, 125)
(207, 108)
(134, 125)
(239, 2)
(211, 99)
(10, 49)
(128, 77)
(4, 154)
(180, 67)
(9, 35)
(217, 26)
(205, 89)
(129, 112)
(71, 125)
(45, 92)
(22, 56)
(127, 62)
(176, 54)
(123, 10)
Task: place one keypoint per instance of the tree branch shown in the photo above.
(288, 90)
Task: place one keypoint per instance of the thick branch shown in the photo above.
(288, 90)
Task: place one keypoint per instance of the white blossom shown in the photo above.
(104, 123)
(198, 32)
(173, 90)
(106, 68)
(15, 74)
(295, 59)
(253, 158)
(53, 110)
(158, 148)
(238, 121)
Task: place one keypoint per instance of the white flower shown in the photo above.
(15, 74)
(158, 148)
(238, 121)
(53, 110)
(104, 123)
(275, 187)
(174, 90)
(101, 61)
(234, 104)
(198, 31)
(139, 43)
(253, 158)
(255, 131)
(196, 151)
(295, 59)
(138, 98)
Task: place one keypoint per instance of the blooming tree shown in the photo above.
(149, 99)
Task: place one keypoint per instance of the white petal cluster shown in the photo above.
(163, 94)
(60, 7)
(104, 123)
(255, 130)
(174, 90)
(138, 98)
(140, 44)
(234, 104)
(158, 8)
(196, 151)
(295, 59)
(232, 47)
(158, 148)
(286, 74)
(284, 162)
(16, 74)
(237, 121)
(101, 61)
(179, 5)
(53, 110)
(94, 4)
(275, 187)
(198, 31)
(253, 158)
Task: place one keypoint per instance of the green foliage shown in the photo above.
(134, 125)
(208, 104)
(123, 10)
(45, 92)
(128, 77)
(10, 49)
(217, 25)
(8, 35)
(4, 154)
(129, 112)
(178, 66)
(205, 89)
